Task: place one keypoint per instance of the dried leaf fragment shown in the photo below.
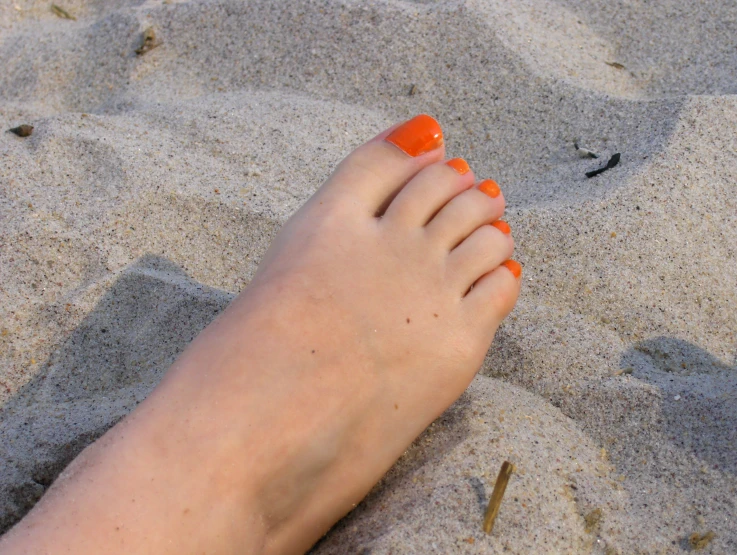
(592, 520)
(496, 496)
(699, 541)
(613, 161)
(615, 65)
(148, 41)
(61, 12)
(22, 130)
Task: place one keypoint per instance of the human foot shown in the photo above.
(369, 315)
(374, 274)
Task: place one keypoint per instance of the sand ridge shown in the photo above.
(152, 185)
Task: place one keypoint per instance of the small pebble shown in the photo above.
(677, 398)
(148, 41)
(585, 152)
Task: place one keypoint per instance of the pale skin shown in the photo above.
(369, 315)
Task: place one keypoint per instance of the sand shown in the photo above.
(151, 186)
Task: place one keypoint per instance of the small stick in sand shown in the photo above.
(412, 90)
(615, 65)
(496, 496)
(61, 12)
(22, 130)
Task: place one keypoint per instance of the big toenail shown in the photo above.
(419, 135)
(514, 267)
(459, 165)
(502, 226)
(490, 187)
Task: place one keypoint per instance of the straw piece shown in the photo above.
(496, 496)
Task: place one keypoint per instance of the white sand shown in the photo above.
(152, 185)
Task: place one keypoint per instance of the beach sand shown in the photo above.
(152, 185)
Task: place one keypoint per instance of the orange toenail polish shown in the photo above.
(502, 226)
(514, 267)
(459, 165)
(490, 187)
(419, 135)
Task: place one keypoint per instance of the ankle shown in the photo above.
(191, 472)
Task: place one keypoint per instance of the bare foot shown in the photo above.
(369, 315)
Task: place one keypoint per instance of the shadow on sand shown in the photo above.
(109, 364)
(698, 401)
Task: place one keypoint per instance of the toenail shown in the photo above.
(490, 187)
(419, 135)
(502, 226)
(459, 165)
(514, 267)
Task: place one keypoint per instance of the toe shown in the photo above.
(465, 213)
(375, 172)
(429, 191)
(480, 253)
(494, 295)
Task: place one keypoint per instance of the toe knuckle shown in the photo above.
(503, 299)
(501, 202)
(487, 233)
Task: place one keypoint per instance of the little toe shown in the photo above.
(465, 213)
(480, 253)
(428, 191)
(373, 173)
(494, 295)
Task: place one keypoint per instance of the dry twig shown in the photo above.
(61, 12)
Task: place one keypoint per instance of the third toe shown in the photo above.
(465, 213)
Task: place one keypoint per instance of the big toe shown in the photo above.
(375, 172)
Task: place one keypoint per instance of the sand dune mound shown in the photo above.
(153, 183)
(433, 499)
